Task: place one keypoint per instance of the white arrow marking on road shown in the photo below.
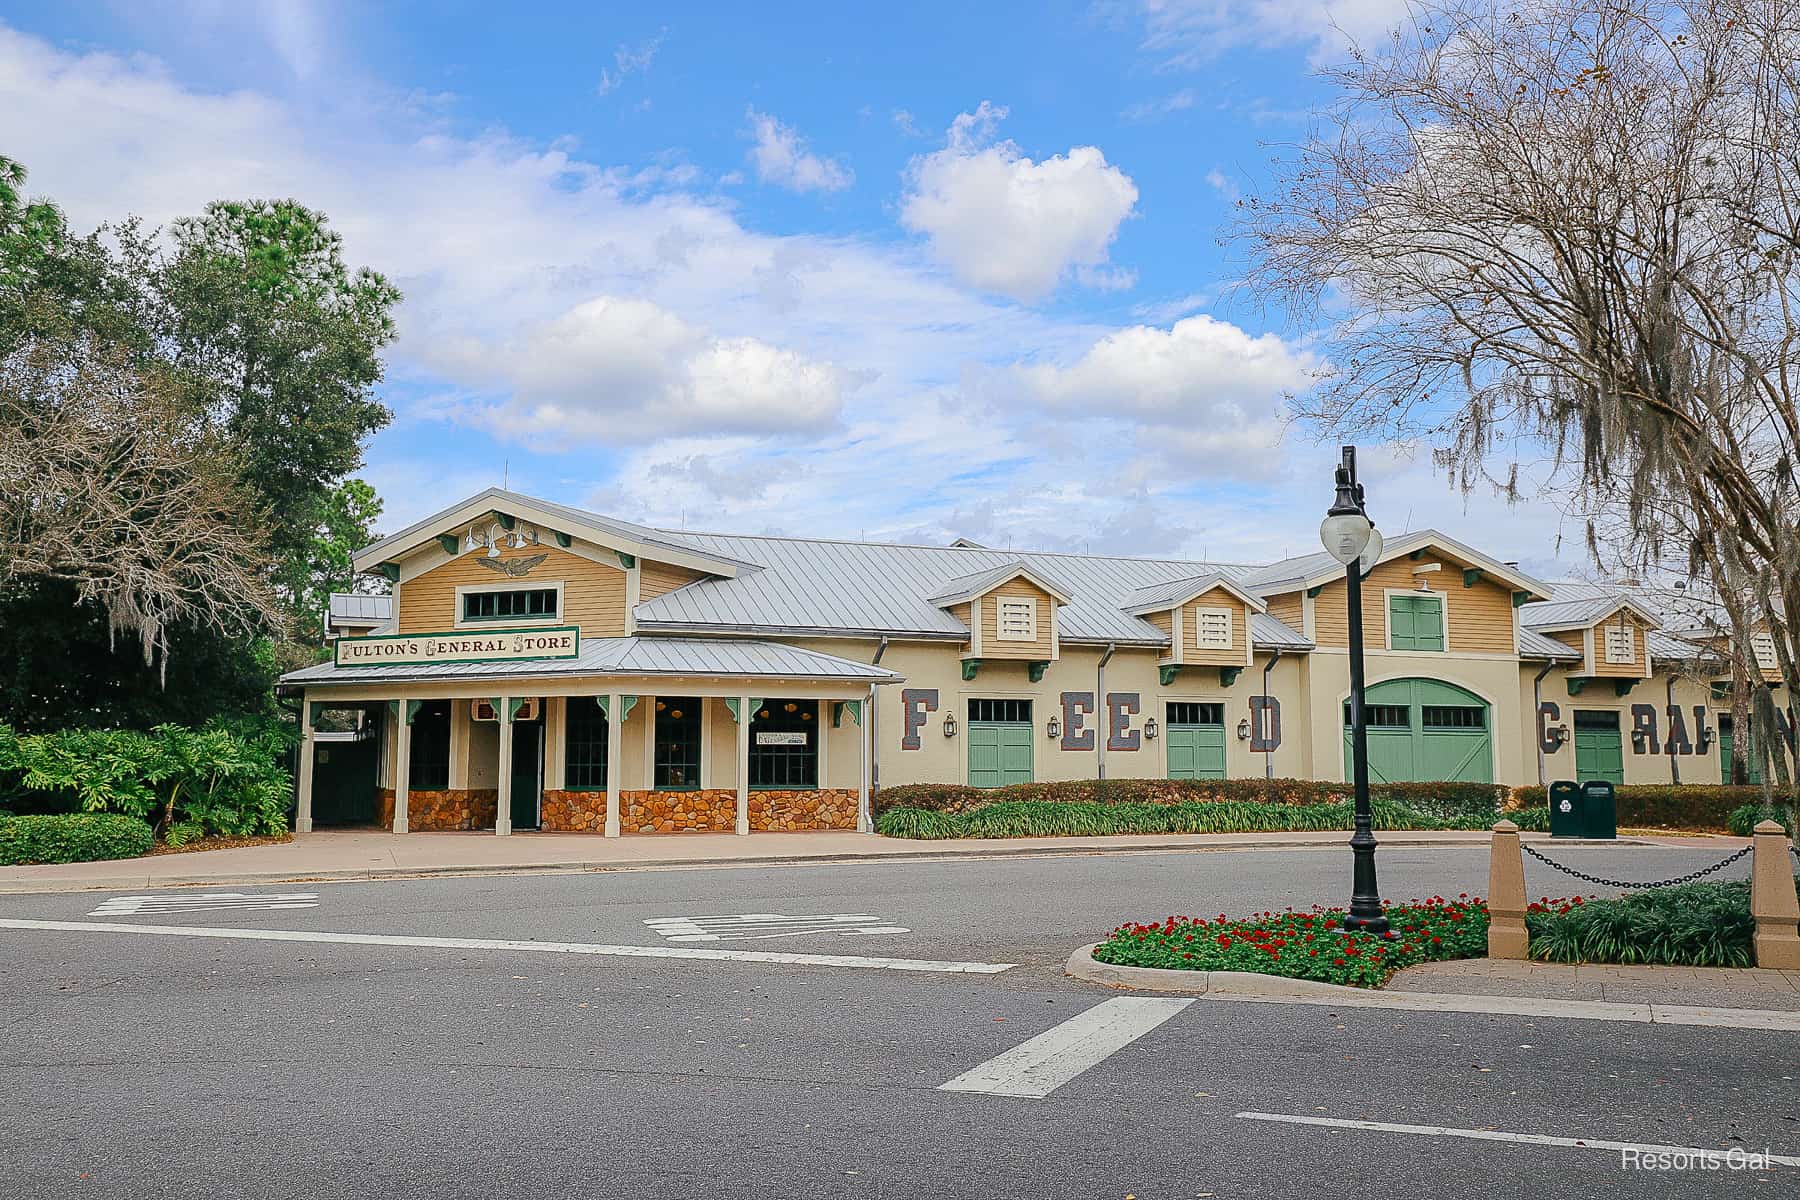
(1038, 1067)
(1496, 1135)
(447, 943)
(127, 906)
(746, 927)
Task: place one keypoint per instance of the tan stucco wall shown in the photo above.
(1641, 767)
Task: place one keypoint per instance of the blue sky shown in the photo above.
(916, 273)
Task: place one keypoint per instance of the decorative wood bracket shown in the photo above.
(1229, 675)
(1167, 672)
(626, 704)
(390, 571)
(840, 707)
(627, 561)
(1473, 576)
(731, 703)
(1622, 687)
(1312, 593)
(506, 522)
(513, 706)
(412, 709)
(1416, 555)
(1575, 684)
(1521, 599)
(451, 543)
(970, 666)
(1035, 671)
(562, 539)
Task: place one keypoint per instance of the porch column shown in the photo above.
(303, 800)
(503, 808)
(865, 820)
(615, 761)
(402, 763)
(743, 766)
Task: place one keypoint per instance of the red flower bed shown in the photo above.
(1306, 944)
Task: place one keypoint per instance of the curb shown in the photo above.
(948, 849)
(1082, 965)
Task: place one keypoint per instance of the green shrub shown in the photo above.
(1701, 806)
(1694, 925)
(1450, 801)
(72, 837)
(1039, 818)
(222, 779)
(1743, 821)
(1305, 945)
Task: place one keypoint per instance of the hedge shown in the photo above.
(188, 783)
(72, 837)
(1694, 925)
(1447, 801)
(1670, 806)
(1026, 818)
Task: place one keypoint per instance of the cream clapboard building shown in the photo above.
(542, 667)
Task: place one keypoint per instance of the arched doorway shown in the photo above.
(1425, 730)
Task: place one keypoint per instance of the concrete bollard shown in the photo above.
(1506, 894)
(1773, 902)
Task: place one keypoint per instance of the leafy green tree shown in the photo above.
(347, 525)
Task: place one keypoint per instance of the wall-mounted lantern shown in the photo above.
(1150, 729)
(1558, 734)
(1244, 730)
(1054, 729)
(949, 725)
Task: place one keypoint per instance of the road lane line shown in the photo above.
(1038, 1067)
(1496, 1135)
(449, 943)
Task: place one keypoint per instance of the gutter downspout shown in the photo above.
(1269, 755)
(1674, 767)
(875, 734)
(1537, 708)
(1100, 707)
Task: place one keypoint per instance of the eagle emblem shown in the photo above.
(513, 568)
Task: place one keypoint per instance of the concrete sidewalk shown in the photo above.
(1708, 987)
(373, 854)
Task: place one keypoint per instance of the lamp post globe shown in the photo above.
(1350, 537)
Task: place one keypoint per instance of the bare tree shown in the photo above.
(1570, 230)
(110, 483)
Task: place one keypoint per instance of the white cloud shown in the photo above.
(1223, 184)
(629, 61)
(1201, 392)
(1186, 33)
(781, 158)
(1006, 224)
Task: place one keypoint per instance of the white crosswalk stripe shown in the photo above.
(1033, 1069)
(185, 902)
(745, 927)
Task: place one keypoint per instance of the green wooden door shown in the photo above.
(1599, 748)
(1195, 741)
(1424, 730)
(527, 772)
(1754, 764)
(999, 753)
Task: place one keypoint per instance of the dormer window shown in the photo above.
(1016, 619)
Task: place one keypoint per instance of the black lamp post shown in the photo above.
(1350, 537)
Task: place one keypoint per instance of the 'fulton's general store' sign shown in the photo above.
(383, 650)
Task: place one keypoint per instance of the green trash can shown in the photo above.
(1566, 808)
(1600, 809)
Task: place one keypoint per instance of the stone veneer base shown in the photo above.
(709, 810)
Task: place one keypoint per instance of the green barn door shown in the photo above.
(1725, 735)
(1424, 730)
(1196, 741)
(999, 742)
(1599, 750)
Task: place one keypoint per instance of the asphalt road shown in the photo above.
(175, 1066)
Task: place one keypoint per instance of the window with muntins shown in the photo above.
(1453, 716)
(523, 605)
(1416, 622)
(584, 744)
(428, 764)
(1016, 619)
(1184, 713)
(1001, 711)
(1212, 628)
(677, 743)
(784, 744)
(1621, 645)
(1382, 716)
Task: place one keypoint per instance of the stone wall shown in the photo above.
(711, 810)
(438, 811)
(786, 812)
(573, 812)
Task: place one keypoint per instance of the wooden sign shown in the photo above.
(460, 646)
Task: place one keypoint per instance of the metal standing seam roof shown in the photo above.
(1293, 572)
(630, 656)
(866, 588)
(1533, 644)
(357, 607)
(1157, 596)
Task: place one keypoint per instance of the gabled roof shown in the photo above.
(1533, 644)
(628, 656)
(1159, 597)
(1580, 612)
(967, 587)
(658, 545)
(1309, 570)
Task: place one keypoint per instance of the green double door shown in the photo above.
(1195, 742)
(999, 753)
(1424, 730)
(1599, 747)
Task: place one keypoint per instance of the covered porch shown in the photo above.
(634, 735)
